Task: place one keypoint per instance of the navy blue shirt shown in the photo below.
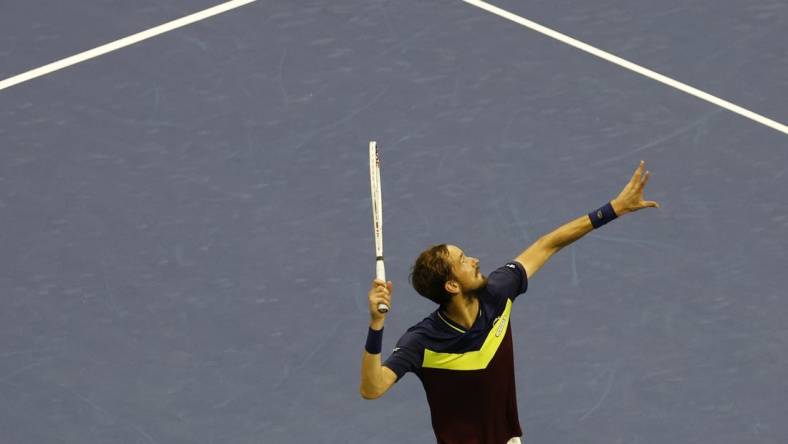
(468, 375)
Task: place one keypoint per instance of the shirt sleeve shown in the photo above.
(507, 282)
(407, 356)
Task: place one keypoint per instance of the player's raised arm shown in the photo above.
(375, 378)
(629, 200)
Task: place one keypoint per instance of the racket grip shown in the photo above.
(380, 273)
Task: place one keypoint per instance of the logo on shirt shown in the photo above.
(501, 325)
(512, 266)
(395, 349)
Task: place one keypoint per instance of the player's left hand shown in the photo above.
(631, 197)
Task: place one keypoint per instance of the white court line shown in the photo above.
(126, 41)
(629, 65)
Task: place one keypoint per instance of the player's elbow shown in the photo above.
(373, 386)
(366, 393)
(535, 256)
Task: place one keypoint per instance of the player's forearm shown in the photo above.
(574, 230)
(568, 233)
(371, 376)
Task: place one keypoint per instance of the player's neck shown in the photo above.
(463, 310)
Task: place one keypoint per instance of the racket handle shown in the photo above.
(380, 273)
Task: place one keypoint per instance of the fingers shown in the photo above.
(644, 180)
(632, 194)
(640, 179)
(380, 298)
(380, 283)
(636, 175)
(641, 186)
(384, 298)
(380, 292)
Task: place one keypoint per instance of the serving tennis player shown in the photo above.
(462, 352)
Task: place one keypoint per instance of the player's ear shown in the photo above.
(452, 287)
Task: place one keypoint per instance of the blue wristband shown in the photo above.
(602, 215)
(374, 341)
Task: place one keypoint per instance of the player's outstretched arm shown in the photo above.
(376, 379)
(629, 200)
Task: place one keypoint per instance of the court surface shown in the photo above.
(187, 241)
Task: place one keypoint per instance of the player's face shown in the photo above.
(466, 270)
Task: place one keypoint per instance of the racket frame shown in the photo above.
(377, 215)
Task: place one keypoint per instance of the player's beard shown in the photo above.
(469, 295)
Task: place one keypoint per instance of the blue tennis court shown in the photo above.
(187, 242)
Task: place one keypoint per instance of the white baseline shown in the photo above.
(629, 65)
(126, 41)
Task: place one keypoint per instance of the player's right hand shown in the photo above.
(379, 293)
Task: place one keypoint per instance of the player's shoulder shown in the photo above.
(507, 281)
(510, 267)
(425, 327)
(423, 332)
(414, 337)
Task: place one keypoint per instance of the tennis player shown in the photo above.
(462, 352)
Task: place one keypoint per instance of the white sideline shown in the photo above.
(117, 44)
(629, 65)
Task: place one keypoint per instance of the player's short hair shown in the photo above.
(429, 274)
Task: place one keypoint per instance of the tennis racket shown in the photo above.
(377, 216)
